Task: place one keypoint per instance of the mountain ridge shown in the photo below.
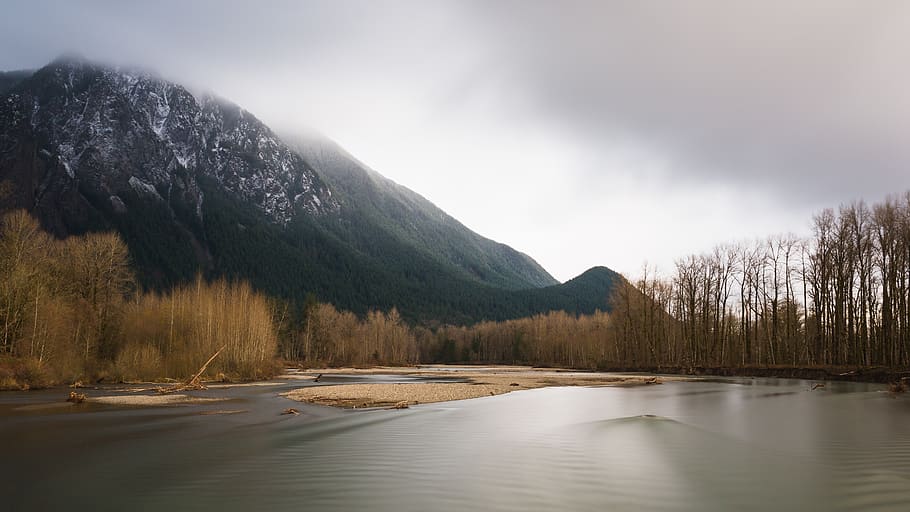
(415, 220)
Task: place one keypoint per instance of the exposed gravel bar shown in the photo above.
(479, 384)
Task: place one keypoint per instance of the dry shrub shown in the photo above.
(552, 339)
(188, 324)
(339, 338)
(57, 342)
(23, 373)
(137, 361)
(7, 375)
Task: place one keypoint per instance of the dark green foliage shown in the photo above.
(447, 352)
(381, 219)
(9, 79)
(162, 249)
(305, 259)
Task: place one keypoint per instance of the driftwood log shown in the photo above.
(76, 398)
(193, 383)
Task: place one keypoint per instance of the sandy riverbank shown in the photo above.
(478, 383)
(147, 400)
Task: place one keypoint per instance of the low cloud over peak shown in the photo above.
(544, 123)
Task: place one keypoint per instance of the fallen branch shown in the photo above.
(193, 383)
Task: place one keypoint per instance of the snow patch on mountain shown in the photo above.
(114, 128)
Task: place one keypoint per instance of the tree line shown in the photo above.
(321, 335)
(325, 336)
(70, 310)
(840, 296)
(837, 297)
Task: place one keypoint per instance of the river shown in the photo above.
(739, 444)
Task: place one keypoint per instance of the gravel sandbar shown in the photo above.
(151, 399)
(479, 384)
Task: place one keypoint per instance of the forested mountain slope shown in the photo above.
(197, 185)
(376, 206)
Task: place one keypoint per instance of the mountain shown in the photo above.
(195, 184)
(373, 203)
(103, 137)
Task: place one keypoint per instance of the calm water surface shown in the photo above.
(747, 444)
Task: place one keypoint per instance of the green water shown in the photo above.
(740, 445)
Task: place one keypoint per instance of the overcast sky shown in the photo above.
(582, 133)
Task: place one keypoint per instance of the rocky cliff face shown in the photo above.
(80, 142)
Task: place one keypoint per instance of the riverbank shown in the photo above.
(872, 374)
(466, 383)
